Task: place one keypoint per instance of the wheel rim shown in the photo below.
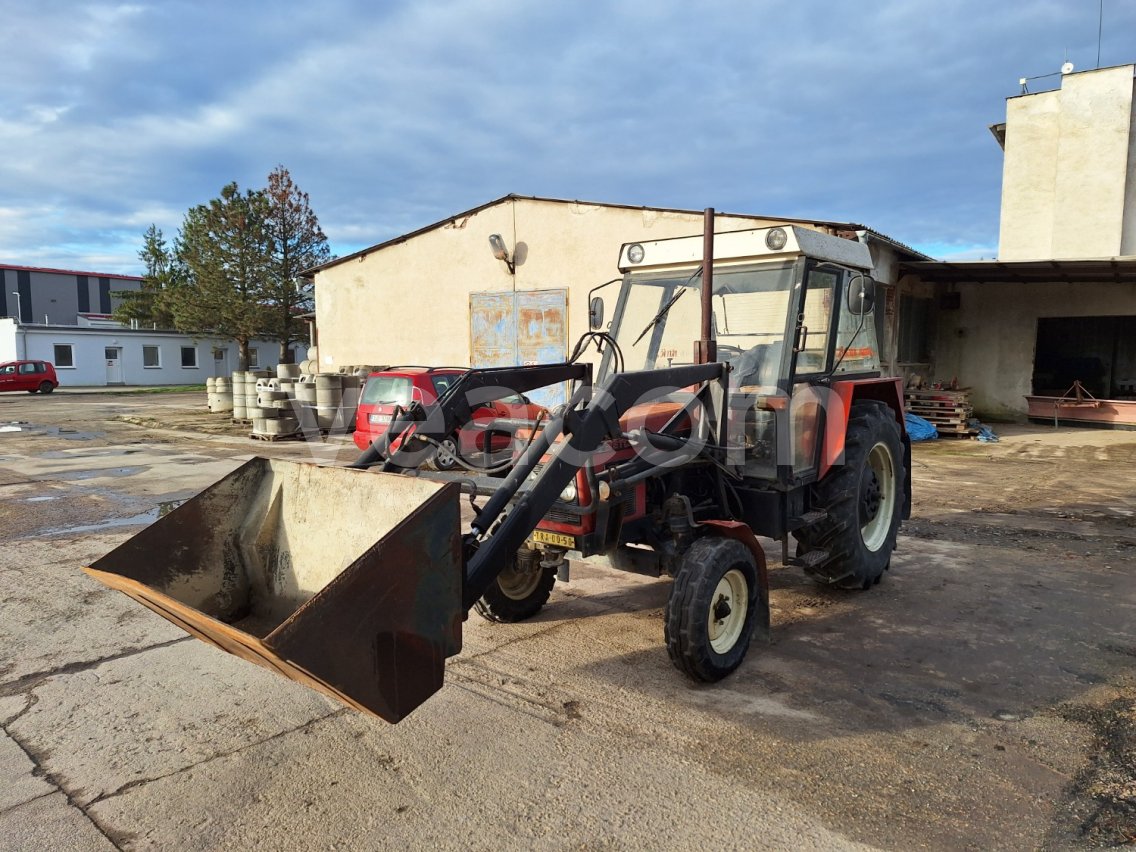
(517, 584)
(728, 607)
(877, 497)
(447, 453)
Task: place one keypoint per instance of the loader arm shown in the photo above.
(455, 407)
(506, 520)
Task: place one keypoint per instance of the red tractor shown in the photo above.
(738, 395)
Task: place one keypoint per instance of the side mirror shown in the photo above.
(596, 313)
(861, 295)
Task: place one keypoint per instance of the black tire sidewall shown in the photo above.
(497, 606)
(687, 626)
(877, 559)
(869, 424)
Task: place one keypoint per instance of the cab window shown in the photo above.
(814, 322)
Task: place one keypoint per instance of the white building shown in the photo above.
(89, 349)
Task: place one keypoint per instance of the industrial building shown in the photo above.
(64, 316)
(1058, 306)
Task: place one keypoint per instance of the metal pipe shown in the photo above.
(706, 350)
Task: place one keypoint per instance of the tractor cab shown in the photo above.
(791, 310)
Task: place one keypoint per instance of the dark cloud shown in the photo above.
(395, 115)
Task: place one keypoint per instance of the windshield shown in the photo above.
(750, 315)
(391, 390)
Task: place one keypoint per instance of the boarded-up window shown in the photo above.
(520, 329)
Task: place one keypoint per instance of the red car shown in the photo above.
(30, 376)
(474, 443)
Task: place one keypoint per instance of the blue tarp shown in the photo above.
(919, 429)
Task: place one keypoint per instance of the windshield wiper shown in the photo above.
(670, 302)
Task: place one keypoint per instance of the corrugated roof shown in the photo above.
(1108, 270)
(51, 271)
(836, 226)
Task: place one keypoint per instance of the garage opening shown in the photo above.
(1099, 352)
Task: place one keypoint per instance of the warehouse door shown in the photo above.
(522, 328)
(1099, 352)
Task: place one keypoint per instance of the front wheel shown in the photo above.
(519, 592)
(711, 610)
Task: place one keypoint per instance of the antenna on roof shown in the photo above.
(1100, 29)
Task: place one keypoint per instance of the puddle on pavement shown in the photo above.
(71, 475)
(88, 454)
(66, 432)
(143, 519)
(39, 499)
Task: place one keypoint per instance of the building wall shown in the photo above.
(89, 345)
(9, 339)
(408, 303)
(57, 297)
(988, 343)
(1068, 180)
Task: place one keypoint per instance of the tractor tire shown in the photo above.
(711, 610)
(446, 457)
(863, 500)
(516, 594)
(46, 387)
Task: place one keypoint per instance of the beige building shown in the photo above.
(1059, 304)
(1069, 174)
(439, 296)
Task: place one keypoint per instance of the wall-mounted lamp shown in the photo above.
(502, 253)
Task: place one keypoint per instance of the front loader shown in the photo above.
(356, 580)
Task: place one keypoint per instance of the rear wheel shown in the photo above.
(519, 592)
(46, 387)
(863, 500)
(711, 610)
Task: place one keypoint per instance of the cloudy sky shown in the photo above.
(393, 115)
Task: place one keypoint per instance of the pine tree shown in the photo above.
(226, 251)
(148, 305)
(297, 244)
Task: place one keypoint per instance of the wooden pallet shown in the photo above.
(948, 410)
(258, 436)
(937, 393)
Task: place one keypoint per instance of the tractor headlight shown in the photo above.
(568, 495)
(635, 253)
(776, 238)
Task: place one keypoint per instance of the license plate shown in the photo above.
(379, 418)
(558, 539)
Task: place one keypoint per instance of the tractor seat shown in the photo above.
(758, 365)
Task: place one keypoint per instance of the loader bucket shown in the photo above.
(345, 580)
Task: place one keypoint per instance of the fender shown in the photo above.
(848, 392)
